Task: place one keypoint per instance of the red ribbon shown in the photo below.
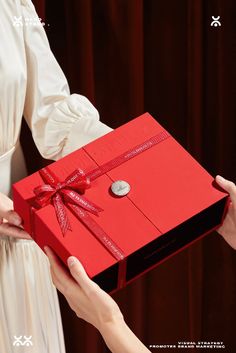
(68, 193)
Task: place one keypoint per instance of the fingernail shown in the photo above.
(71, 261)
(220, 178)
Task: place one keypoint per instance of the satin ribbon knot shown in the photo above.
(65, 193)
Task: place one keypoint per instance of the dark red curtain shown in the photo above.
(131, 56)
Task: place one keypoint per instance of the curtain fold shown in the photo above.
(131, 56)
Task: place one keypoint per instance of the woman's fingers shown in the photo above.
(13, 231)
(76, 269)
(78, 272)
(60, 277)
(228, 186)
(57, 283)
(7, 212)
(12, 217)
(79, 283)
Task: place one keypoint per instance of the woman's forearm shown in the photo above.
(120, 339)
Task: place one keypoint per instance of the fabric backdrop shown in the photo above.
(160, 56)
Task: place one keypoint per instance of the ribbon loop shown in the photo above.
(60, 193)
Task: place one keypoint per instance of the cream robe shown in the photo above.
(32, 84)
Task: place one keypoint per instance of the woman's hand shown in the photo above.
(228, 228)
(84, 296)
(92, 304)
(10, 221)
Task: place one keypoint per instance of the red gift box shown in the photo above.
(171, 203)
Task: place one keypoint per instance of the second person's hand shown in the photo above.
(228, 228)
(94, 305)
(84, 296)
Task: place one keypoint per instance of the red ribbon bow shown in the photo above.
(65, 193)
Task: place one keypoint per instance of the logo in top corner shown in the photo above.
(215, 22)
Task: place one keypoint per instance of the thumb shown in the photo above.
(228, 186)
(78, 272)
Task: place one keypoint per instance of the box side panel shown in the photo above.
(44, 237)
(106, 278)
(22, 208)
(173, 241)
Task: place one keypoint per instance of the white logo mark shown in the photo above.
(28, 21)
(17, 21)
(215, 21)
(18, 341)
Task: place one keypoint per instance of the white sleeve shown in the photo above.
(60, 122)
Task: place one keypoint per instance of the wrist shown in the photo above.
(120, 339)
(115, 321)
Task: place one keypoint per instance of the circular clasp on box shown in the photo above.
(120, 188)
